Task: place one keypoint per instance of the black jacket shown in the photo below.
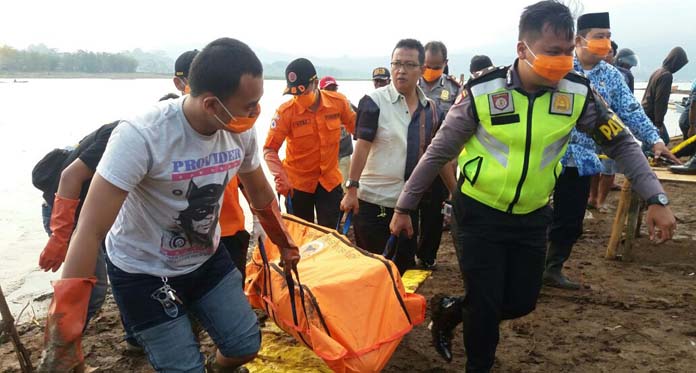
(659, 87)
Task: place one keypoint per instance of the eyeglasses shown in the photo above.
(407, 66)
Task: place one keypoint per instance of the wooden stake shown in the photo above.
(631, 225)
(8, 327)
(619, 220)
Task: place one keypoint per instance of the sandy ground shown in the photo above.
(635, 316)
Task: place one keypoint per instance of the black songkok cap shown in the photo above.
(593, 20)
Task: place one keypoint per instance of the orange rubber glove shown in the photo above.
(283, 185)
(62, 225)
(64, 324)
(272, 223)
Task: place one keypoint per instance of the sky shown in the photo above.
(326, 28)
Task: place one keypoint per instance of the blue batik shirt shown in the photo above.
(610, 84)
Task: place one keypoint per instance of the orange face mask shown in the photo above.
(306, 100)
(552, 68)
(431, 75)
(238, 125)
(184, 81)
(599, 47)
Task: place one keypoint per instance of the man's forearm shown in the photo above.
(448, 175)
(359, 159)
(631, 161)
(445, 147)
(99, 211)
(72, 178)
(82, 253)
(272, 159)
(257, 189)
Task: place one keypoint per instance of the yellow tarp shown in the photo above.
(413, 278)
(280, 352)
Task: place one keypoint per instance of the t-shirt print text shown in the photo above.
(214, 163)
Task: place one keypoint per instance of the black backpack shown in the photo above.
(46, 173)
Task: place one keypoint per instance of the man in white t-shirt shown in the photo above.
(160, 183)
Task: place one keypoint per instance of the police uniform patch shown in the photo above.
(292, 77)
(461, 97)
(612, 128)
(562, 103)
(274, 121)
(501, 103)
(444, 95)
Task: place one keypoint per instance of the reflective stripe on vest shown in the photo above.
(513, 160)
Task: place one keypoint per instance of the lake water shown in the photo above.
(43, 114)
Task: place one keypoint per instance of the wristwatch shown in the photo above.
(658, 199)
(352, 184)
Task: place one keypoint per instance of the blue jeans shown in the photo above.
(212, 293)
(608, 167)
(96, 299)
(46, 210)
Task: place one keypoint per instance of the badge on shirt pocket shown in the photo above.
(444, 95)
(561, 103)
(501, 103)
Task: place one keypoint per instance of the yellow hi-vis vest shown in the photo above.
(513, 160)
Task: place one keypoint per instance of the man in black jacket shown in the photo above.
(659, 87)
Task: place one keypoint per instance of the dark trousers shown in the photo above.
(431, 219)
(238, 246)
(502, 258)
(569, 203)
(327, 204)
(690, 149)
(371, 227)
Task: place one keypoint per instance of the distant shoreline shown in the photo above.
(77, 75)
(74, 75)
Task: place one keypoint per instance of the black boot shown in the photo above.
(446, 314)
(211, 366)
(688, 168)
(553, 276)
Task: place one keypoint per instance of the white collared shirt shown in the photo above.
(382, 178)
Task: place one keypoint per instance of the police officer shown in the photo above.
(478, 63)
(181, 71)
(443, 89)
(380, 77)
(509, 129)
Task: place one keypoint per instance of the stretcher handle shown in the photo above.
(291, 291)
(290, 283)
(267, 288)
(391, 248)
(346, 226)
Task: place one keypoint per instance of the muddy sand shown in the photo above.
(637, 316)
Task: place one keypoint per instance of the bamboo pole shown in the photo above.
(619, 220)
(631, 225)
(8, 327)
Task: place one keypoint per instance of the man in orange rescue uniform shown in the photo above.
(311, 122)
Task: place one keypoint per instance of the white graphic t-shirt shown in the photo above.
(176, 177)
